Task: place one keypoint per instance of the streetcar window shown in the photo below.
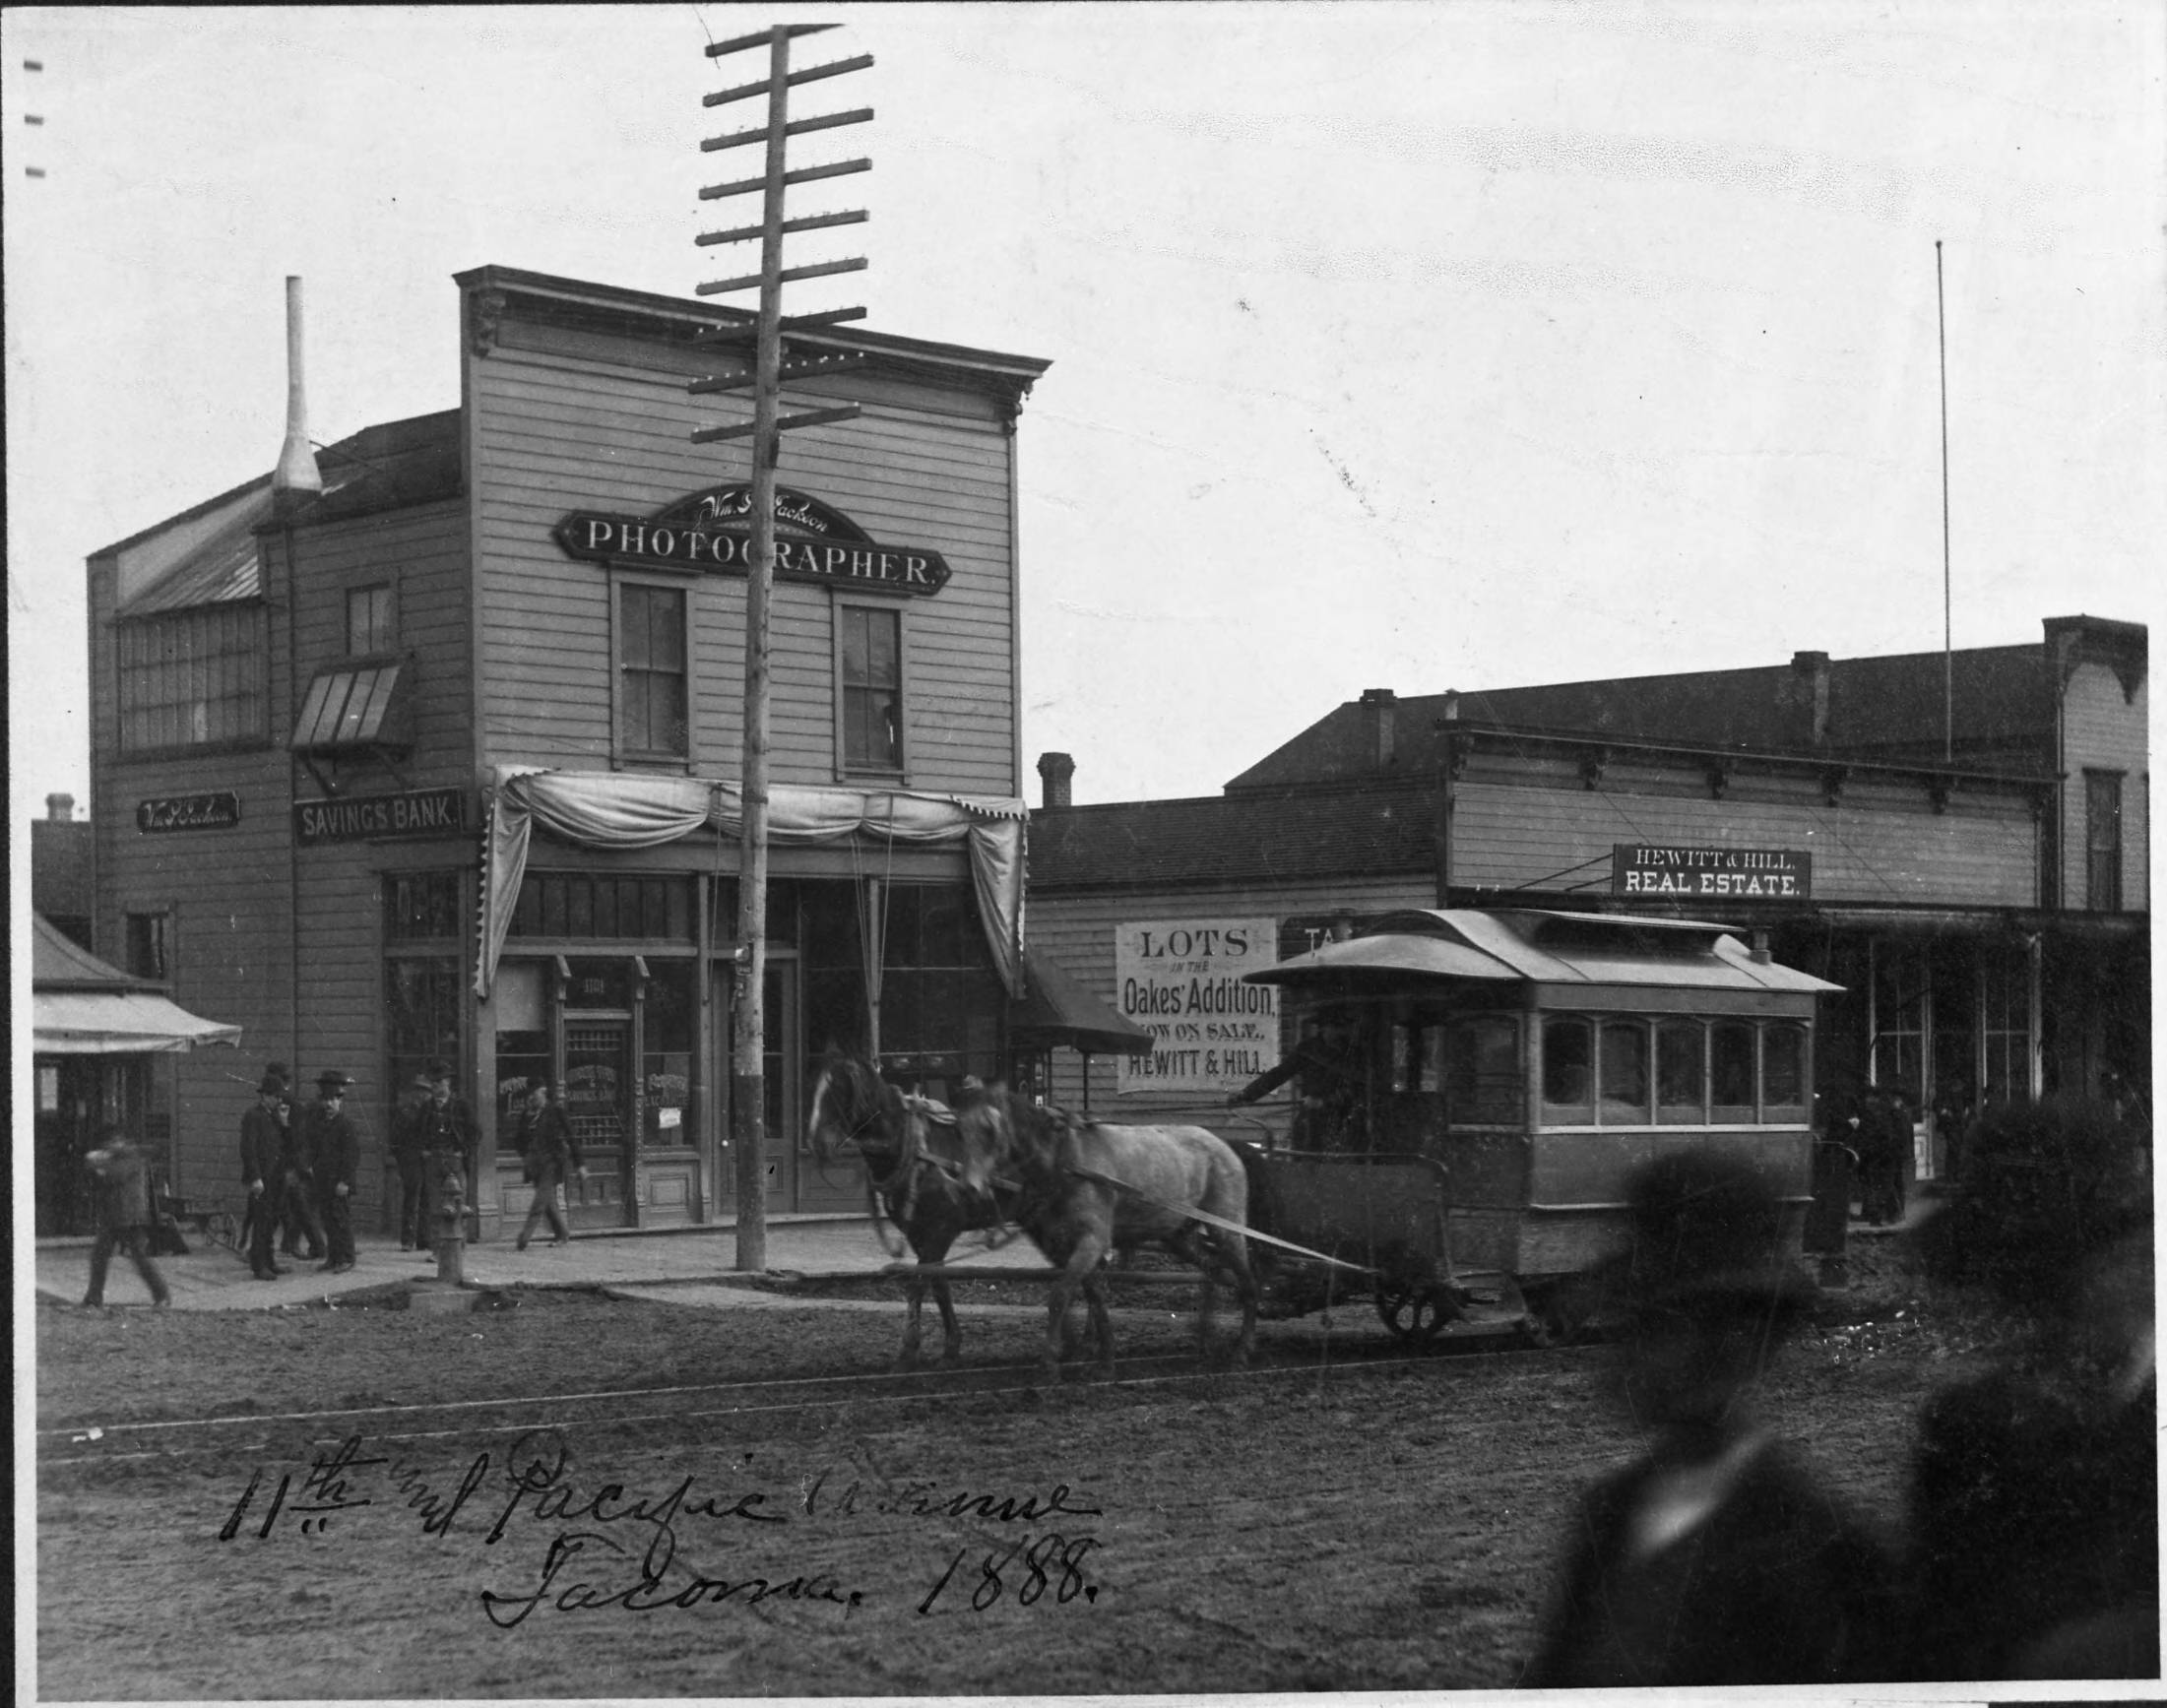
(1569, 1078)
(1731, 1073)
(1415, 1053)
(1623, 1073)
(1482, 1070)
(1783, 1074)
(1682, 1073)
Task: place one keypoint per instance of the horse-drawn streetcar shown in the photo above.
(1490, 1080)
(1500, 1074)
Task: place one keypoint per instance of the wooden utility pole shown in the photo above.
(766, 330)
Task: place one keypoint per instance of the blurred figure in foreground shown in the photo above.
(123, 1177)
(1714, 1558)
(2035, 1488)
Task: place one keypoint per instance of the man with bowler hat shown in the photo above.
(1714, 1558)
(546, 1141)
(336, 1149)
(443, 1136)
(263, 1171)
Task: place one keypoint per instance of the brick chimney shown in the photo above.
(1380, 726)
(60, 808)
(1056, 771)
(1804, 701)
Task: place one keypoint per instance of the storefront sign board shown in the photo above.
(1661, 872)
(219, 809)
(712, 531)
(420, 812)
(1181, 980)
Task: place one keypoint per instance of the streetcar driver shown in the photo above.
(1327, 1064)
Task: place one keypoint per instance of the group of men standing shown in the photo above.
(300, 1172)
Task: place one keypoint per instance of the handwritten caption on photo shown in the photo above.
(615, 1547)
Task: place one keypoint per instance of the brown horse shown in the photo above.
(913, 1171)
(1083, 1190)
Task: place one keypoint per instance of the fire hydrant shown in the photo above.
(449, 1169)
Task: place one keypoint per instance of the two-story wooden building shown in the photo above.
(1961, 842)
(441, 760)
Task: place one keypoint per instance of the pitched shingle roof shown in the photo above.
(1254, 838)
(388, 466)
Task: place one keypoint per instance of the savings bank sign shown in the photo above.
(712, 531)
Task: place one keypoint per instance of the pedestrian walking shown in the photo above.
(443, 1136)
(1714, 1559)
(544, 1138)
(121, 1168)
(263, 1171)
(336, 1149)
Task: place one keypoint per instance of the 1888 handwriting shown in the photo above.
(617, 1549)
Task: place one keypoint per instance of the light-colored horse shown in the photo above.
(1083, 1190)
(914, 1172)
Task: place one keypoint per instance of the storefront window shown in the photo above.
(420, 1015)
(1622, 1078)
(1682, 1073)
(669, 1028)
(588, 905)
(2005, 977)
(940, 997)
(1568, 1079)
(1899, 1020)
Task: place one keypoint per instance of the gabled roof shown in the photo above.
(382, 468)
(1225, 838)
(1891, 708)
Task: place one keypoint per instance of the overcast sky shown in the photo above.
(1398, 346)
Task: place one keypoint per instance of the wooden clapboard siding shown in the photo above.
(1881, 842)
(227, 891)
(423, 552)
(2104, 730)
(1079, 931)
(567, 420)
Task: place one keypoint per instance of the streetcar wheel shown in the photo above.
(1416, 1313)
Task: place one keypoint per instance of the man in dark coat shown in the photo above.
(1885, 1137)
(123, 1200)
(298, 1221)
(263, 1171)
(1325, 1065)
(406, 1157)
(546, 1140)
(336, 1149)
(443, 1134)
(1714, 1559)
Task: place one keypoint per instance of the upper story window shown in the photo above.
(869, 688)
(191, 678)
(653, 695)
(372, 620)
(2103, 841)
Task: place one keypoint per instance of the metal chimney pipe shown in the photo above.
(296, 470)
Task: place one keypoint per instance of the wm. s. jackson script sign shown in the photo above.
(712, 531)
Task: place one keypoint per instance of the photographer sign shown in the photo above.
(1181, 980)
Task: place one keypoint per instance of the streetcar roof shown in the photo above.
(1514, 945)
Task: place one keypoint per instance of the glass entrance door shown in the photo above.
(598, 1102)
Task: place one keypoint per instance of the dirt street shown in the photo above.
(1345, 1524)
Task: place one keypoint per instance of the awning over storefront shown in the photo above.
(81, 1005)
(604, 809)
(1057, 1012)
